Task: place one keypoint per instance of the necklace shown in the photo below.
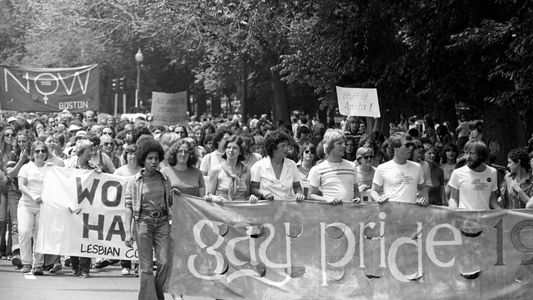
(305, 168)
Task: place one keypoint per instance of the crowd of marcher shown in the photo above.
(221, 159)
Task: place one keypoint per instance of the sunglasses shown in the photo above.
(309, 151)
(40, 151)
(107, 133)
(368, 157)
(9, 135)
(409, 145)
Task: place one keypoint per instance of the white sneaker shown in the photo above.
(125, 271)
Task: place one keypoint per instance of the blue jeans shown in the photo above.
(152, 234)
(8, 219)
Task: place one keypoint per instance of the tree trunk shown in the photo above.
(201, 98)
(280, 105)
(445, 111)
(244, 101)
(216, 110)
(502, 129)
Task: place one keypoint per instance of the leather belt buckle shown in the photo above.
(155, 214)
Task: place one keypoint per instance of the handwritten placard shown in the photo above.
(169, 108)
(358, 102)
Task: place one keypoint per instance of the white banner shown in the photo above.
(169, 109)
(358, 102)
(83, 214)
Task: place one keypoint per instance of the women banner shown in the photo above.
(83, 214)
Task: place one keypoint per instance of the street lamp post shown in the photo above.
(138, 58)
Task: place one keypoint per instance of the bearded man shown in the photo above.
(474, 185)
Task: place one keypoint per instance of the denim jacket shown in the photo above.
(134, 191)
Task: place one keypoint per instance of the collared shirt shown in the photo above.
(263, 172)
(134, 192)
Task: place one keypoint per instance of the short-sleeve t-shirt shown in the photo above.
(399, 181)
(474, 187)
(334, 180)
(281, 188)
(35, 177)
(188, 181)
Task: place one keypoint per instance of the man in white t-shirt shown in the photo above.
(399, 179)
(334, 179)
(474, 185)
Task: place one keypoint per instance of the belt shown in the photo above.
(154, 214)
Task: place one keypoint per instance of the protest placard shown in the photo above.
(358, 102)
(169, 108)
(83, 214)
(287, 250)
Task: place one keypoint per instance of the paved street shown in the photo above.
(106, 283)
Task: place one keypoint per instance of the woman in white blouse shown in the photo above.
(275, 177)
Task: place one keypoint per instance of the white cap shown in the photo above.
(74, 127)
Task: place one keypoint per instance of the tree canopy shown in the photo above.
(428, 55)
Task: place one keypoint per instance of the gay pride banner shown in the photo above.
(310, 250)
(83, 214)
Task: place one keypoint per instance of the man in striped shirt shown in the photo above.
(334, 179)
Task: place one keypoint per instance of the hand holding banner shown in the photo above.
(311, 250)
(358, 102)
(83, 214)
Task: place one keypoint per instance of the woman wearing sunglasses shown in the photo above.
(30, 181)
(109, 131)
(6, 208)
(17, 158)
(365, 171)
(107, 146)
(308, 159)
